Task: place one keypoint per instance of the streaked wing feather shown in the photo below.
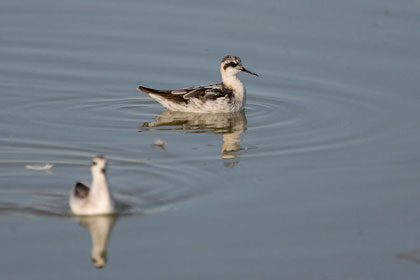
(182, 95)
(192, 94)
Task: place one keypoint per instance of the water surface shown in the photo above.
(317, 178)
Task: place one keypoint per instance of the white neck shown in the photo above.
(100, 189)
(230, 80)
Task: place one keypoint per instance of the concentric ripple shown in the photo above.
(302, 117)
(69, 131)
(295, 117)
(310, 116)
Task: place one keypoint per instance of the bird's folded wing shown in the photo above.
(210, 91)
(81, 190)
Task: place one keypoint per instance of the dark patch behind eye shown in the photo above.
(231, 64)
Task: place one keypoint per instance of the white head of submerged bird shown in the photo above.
(225, 97)
(96, 199)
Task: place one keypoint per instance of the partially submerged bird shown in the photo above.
(225, 97)
(96, 200)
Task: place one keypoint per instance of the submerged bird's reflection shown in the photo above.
(100, 229)
(230, 125)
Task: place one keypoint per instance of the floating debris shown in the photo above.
(410, 256)
(159, 143)
(45, 167)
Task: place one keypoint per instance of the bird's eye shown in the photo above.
(94, 163)
(230, 64)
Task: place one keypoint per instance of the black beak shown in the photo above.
(250, 72)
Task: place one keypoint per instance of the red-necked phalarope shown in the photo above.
(96, 200)
(225, 97)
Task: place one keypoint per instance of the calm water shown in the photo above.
(317, 179)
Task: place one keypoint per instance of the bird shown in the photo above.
(225, 97)
(96, 199)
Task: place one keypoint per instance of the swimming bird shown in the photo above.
(225, 97)
(96, 200)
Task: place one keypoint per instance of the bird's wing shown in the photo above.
(81, 190)
(182, 95)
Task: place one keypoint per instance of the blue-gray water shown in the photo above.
(318, 179)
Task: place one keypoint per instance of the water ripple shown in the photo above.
(289, 116)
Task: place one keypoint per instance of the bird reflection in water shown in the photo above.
(100, 229)
(230, 125)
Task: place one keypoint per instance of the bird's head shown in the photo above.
(232, 65)
(98, 164)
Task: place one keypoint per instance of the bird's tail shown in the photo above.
(152, 91)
